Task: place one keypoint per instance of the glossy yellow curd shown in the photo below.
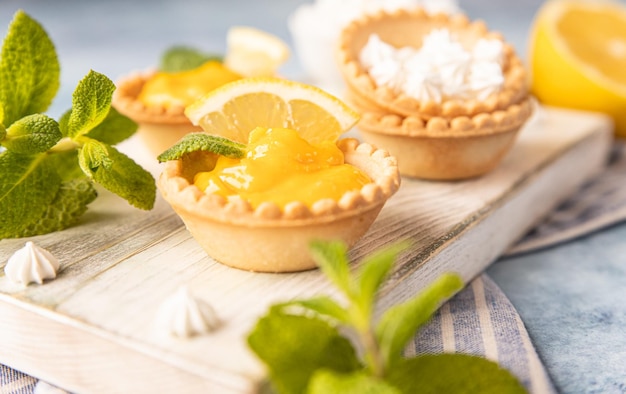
(180, 89)
(281, 167)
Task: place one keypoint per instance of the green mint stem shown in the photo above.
(64, 145)
(373, 356)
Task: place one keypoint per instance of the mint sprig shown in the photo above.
(194, 142)
(48, 168)
(294, 339)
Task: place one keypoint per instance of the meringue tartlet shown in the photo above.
(270, 236)
(443, 94)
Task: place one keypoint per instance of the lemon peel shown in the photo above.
(577, 55)
(235, 109)
(253, 53)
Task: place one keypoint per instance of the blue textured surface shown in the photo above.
(572, 301)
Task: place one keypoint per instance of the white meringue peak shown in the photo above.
(31, 264)
(315, 27)
(183, 315)
(441, 69)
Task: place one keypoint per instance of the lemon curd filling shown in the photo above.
(179, 89)
(281, 167)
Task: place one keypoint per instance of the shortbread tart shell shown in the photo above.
(441, 149)
(268, 238)
(407, 28)
(159, 127)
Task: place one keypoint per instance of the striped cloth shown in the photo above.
(480, 319)
(12, 381)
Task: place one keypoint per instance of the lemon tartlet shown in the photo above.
(447, 138)
(159, 126)
(269, 238)
(281, 179)
(156, 100)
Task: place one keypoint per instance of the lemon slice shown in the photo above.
(235, 109)
(252, 53)
(578, 57)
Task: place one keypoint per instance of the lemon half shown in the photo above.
(577, 57)
(254, 53)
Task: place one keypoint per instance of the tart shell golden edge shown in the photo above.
(438, 127)
(268, 238)
(447, 151)
(159, 127)
(407, 28)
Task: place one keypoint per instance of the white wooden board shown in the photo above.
(91, 329)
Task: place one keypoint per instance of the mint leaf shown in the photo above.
(91, 102)
(400, 322)
(118, 173)
(32, 134)
(180, 58)
(93, 155)
(374, 270)
(333, 261)
(452, 373)
(114, 129)
(69, 204)
(293, 347)
(203, 142)
(27, 186)
(325, 381)
(29, 70)
(325, 307)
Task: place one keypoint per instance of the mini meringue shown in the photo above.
(31, 264)
(183, 315)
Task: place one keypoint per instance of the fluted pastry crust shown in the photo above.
(159, 127)
(272, 239)
(512, 117)
(407, 28)
(125, 100)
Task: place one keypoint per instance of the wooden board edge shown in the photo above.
(65, 357)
